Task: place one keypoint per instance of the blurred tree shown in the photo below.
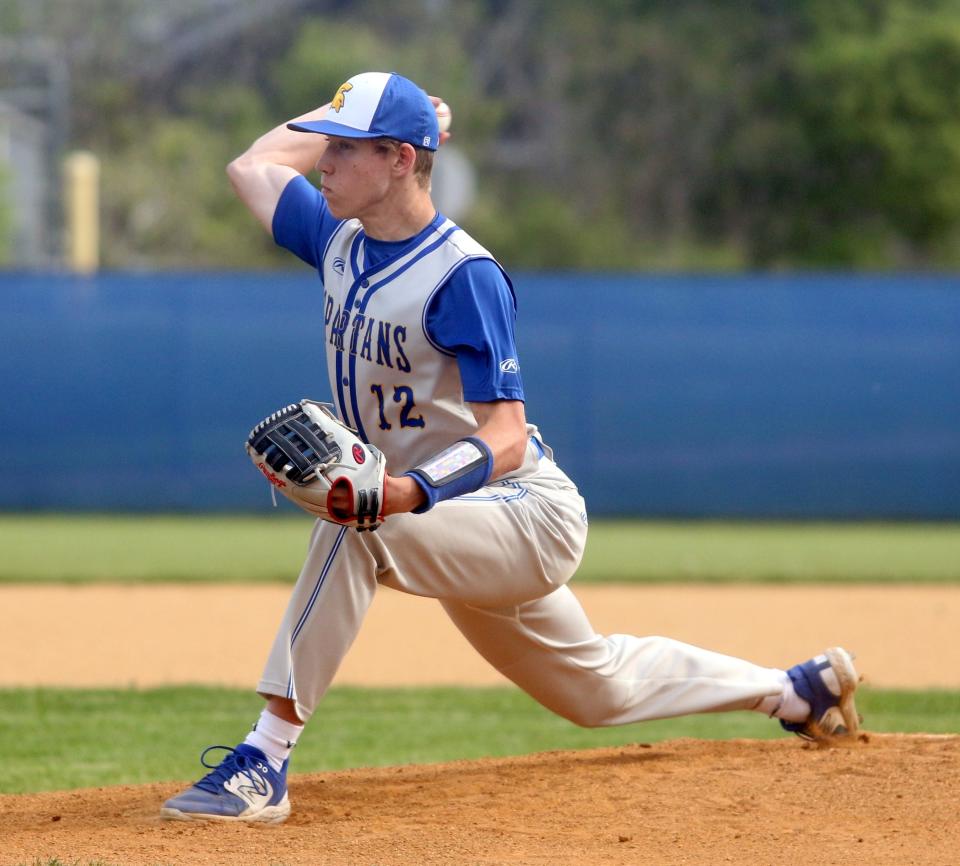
(619, 134)
(849, 153)
(646, 92)
(167, 201)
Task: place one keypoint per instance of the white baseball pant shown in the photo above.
(499, 560)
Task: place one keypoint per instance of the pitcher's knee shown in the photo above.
(584, 717)
(592, 710)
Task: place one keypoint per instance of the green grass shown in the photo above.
(61, 548)
(773, 552)
(60, 739)
(80, 548)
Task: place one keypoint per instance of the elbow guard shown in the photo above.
(462, 468)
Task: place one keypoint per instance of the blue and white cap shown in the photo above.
(379, 105)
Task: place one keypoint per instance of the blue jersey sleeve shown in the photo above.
(302, 222)
(472, 316)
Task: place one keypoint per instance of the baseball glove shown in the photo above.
(306, 452)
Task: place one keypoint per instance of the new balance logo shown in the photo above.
(245, 788)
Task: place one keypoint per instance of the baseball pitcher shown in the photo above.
(424, 472)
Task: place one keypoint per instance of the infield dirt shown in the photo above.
(109, 635)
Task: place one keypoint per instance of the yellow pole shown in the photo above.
(82, 179)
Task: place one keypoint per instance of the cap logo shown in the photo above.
(341, 96)
(426, 141)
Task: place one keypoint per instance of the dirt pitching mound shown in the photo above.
(883, 800)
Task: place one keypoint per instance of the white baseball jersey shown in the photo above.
(400, 390)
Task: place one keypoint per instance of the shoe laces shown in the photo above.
(233, 763)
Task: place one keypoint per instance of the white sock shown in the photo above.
(788, 705)
(274, 737)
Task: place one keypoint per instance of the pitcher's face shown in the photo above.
(357, 175)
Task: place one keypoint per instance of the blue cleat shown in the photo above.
(827, 683)
(243, 787)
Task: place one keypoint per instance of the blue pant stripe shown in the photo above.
(496, 497)
(316, 590)
(313, 598)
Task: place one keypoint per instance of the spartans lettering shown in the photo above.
(374, 340)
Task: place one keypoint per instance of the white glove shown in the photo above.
(305, 452)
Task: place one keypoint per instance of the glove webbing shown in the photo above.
(293, 444)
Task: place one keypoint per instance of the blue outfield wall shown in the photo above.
(709, 396)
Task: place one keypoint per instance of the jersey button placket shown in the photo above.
(357, 305)
(358, 301)
(345, 358)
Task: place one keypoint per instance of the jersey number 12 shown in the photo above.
(403, 395)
